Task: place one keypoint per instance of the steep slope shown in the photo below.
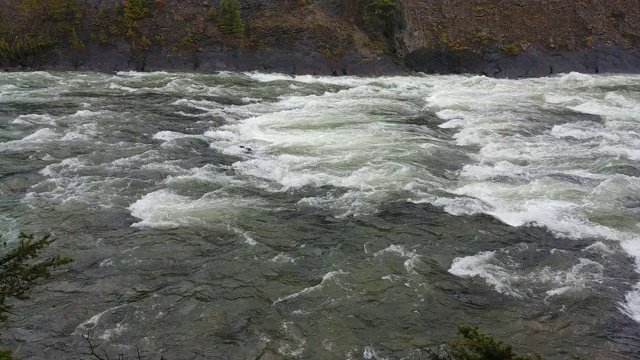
(520, 37)
(508, 38)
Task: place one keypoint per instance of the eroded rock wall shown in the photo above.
(520, 37)
(502, 38)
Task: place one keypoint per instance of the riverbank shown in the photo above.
(532, 63)
(511, 39)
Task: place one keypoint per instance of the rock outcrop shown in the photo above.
(520, 38)
(499, 38)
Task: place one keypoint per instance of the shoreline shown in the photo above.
(532, 63)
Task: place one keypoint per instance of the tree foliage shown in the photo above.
(135, 9)
(475, 345)
(20, 47)
(478, 346)
(51, 11)
(36, 25)
(230, 19)
(20, 270)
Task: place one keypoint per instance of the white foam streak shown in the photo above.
(397, 250)
(599, 247)
(283, 259)
(34, 139)
(507, 278)
(632, 303)
(164, 208)
(33, 119)
(481, 265)
(86, 326)
(631, 306)
(411, 257)
(370, 353)
(325, 279)
(173, 135)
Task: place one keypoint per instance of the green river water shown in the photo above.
(239, 216)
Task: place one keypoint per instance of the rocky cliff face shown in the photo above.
(520, 37)
(502, 38)
(558, 25)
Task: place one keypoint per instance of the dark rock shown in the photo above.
(436, 61)
(532, 63)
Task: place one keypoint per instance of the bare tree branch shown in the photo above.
(92, 348)
(105, 354)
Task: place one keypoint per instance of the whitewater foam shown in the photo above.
(41, 135)
(33, 119)
(631, 306)
(501, 272)
(163, 208)
(283, 259)
(173, 135)
(532, 152)
(86, 326)
(481, 265)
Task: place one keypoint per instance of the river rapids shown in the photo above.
(244, 216)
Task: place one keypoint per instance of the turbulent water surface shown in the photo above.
(246, 215)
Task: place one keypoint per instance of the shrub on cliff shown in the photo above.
(229, 18)
(19, 48)
(378, 10)
(65, 13)
(135, 9)
(37, 25)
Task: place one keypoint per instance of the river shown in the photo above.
(252, 215)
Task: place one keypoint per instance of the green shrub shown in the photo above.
(135, 9)
(75, 41)
(21, 47)
(212, 14)
(475, 345)
(21, 270)
(511, 49)
(229, 18)
(190, 40)
(378, 10)
(38, 25)
(51, 11)
(19, 273)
